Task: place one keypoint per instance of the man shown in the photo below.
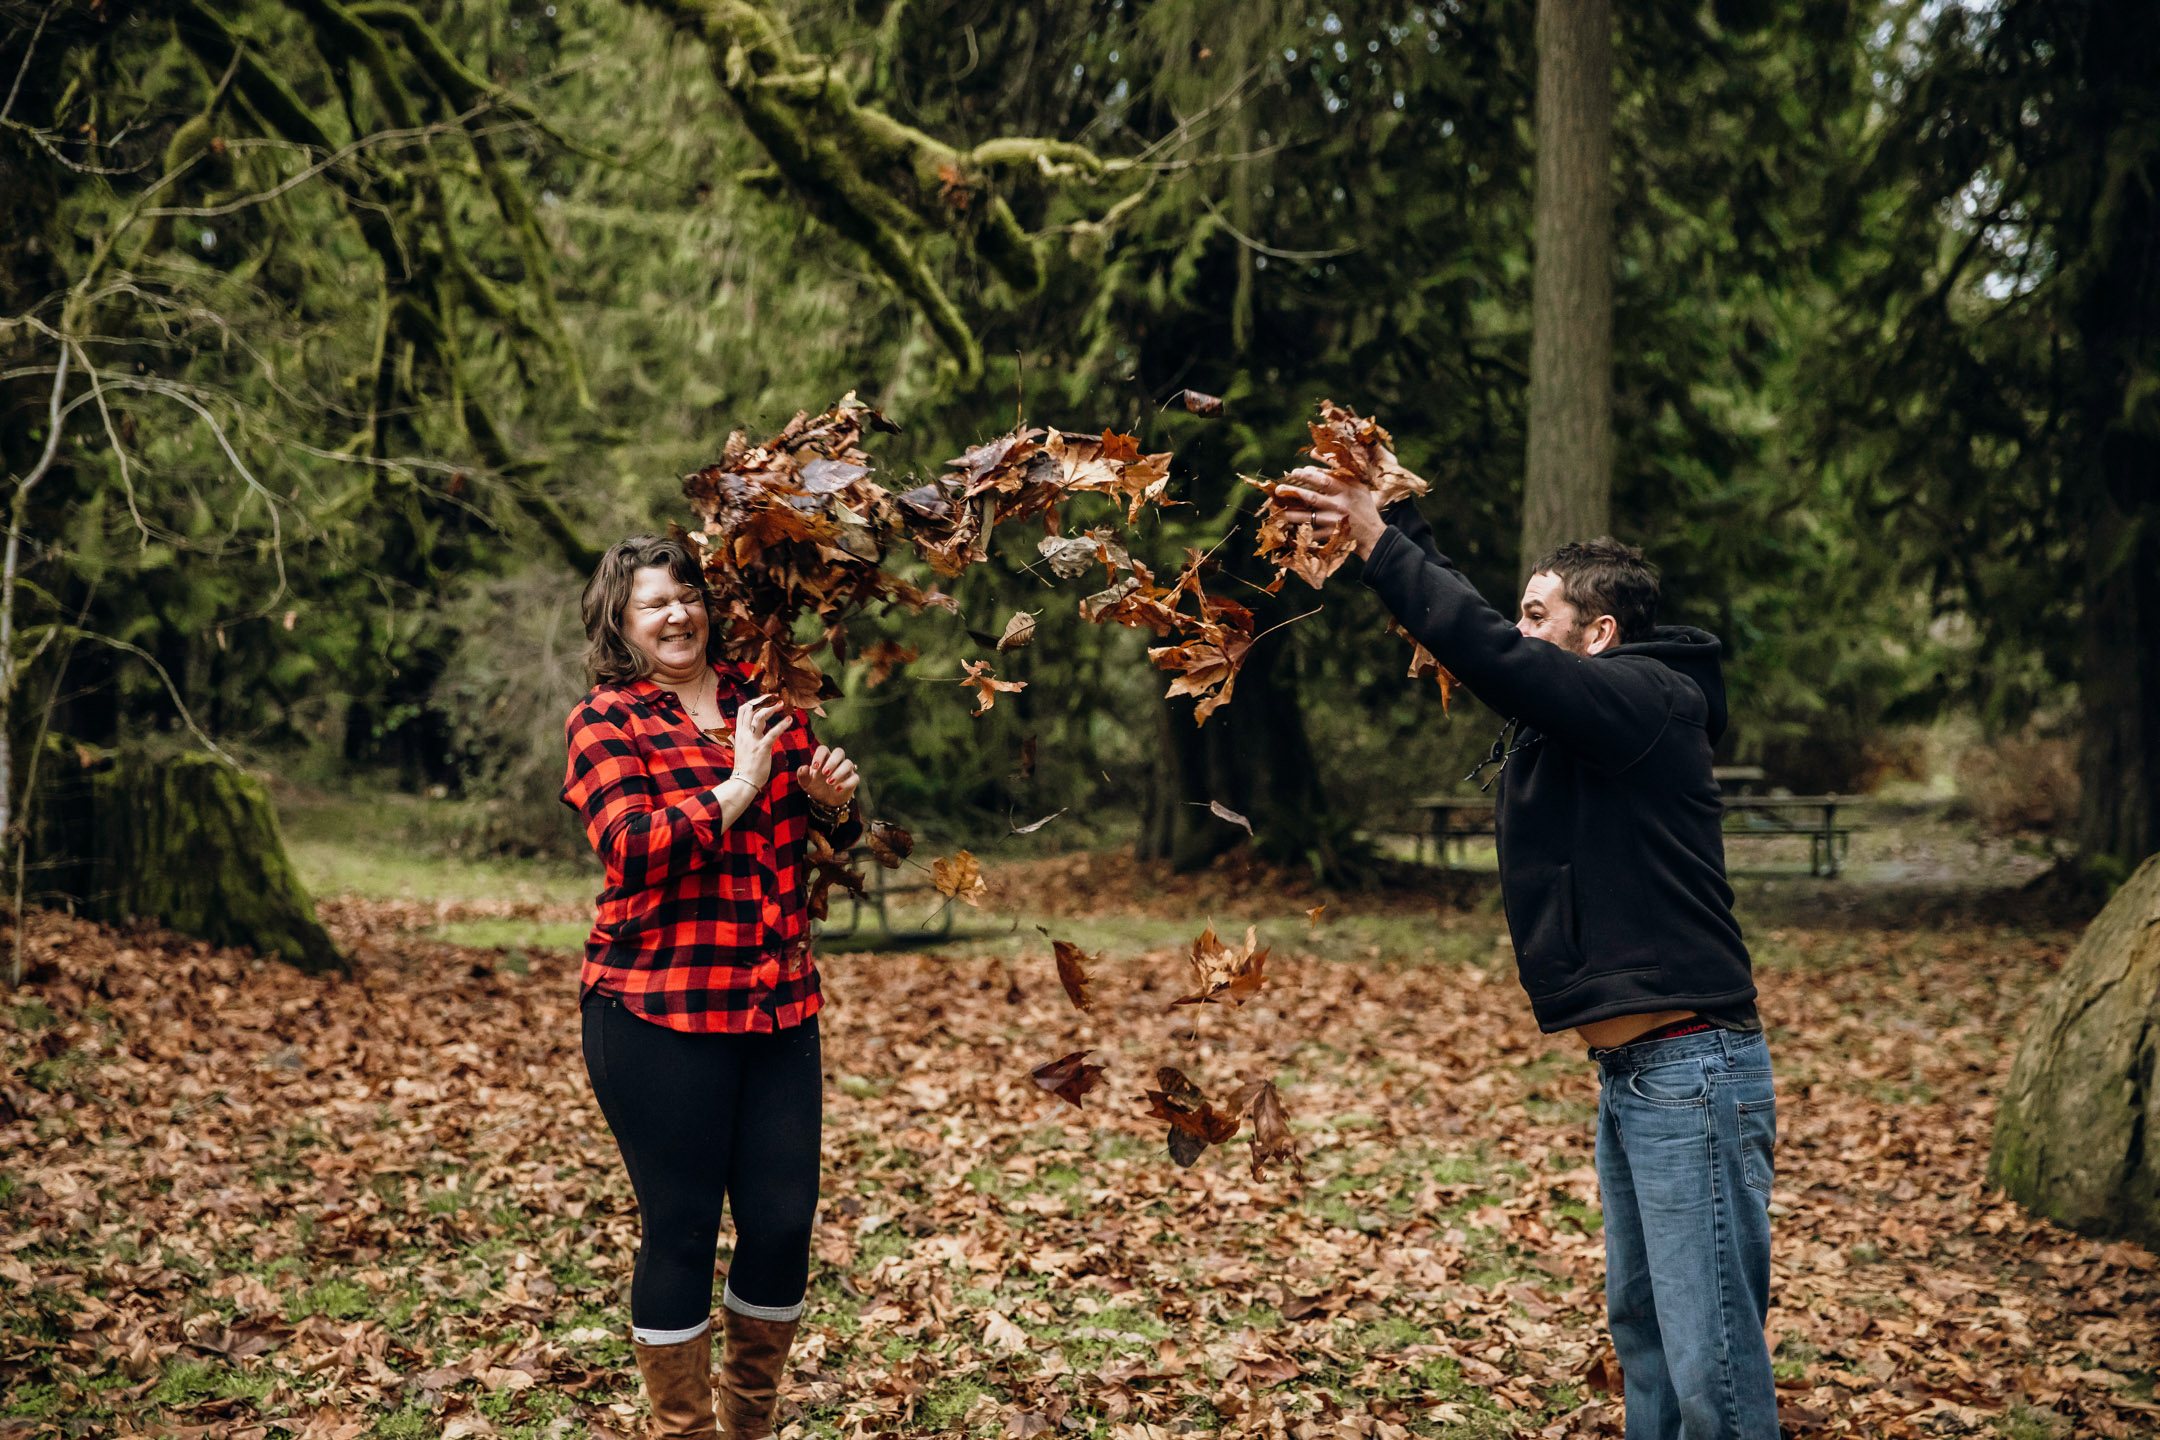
(1612, 868)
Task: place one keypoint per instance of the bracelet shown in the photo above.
(828, 817)
(737, 780)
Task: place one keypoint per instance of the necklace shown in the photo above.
(707, 694)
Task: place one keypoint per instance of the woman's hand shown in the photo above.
(758, 724)
(830, 778)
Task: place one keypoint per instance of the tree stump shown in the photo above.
(2077, 1138)
(183, 839)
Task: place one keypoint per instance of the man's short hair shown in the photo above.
(1605, 577)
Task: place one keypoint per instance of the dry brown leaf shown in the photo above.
(959, 878)
(1068, 1077)
(1271, 1142)
(1224, 972)
(1224, 812)
(986, 684)
(1194, 1123)
(889, 844)
(1019, 632)
(882, 658)
(1072, 963)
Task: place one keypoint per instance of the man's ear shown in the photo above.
(1601, 635)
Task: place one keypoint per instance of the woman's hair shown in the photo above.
(609, 656)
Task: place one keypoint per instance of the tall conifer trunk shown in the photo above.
(1567, 481)
(2116, 227)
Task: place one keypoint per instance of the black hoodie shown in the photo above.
(1612, 860)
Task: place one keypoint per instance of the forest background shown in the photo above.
(337, 338)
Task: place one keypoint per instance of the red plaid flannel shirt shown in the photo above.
(699, 929)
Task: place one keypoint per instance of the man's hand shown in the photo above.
(1327, 504)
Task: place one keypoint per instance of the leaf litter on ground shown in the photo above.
(240, 1198)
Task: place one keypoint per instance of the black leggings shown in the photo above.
(699, 1118)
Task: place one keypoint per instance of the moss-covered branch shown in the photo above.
(470, 95)
(880, 183)
(418, 279)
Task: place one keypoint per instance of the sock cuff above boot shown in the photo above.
(741, 1306)
(645, 1336)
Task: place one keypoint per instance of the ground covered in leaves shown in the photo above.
(243, 1202)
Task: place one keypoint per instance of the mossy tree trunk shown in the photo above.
(2078, 1136)
(183, 839)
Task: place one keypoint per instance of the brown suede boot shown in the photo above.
(750, 1370)
(678, 1382)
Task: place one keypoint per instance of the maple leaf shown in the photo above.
(986, 683)
(1080, 462)
(1423, 666)
(828, 869)
(1207, 668)
(1194, 1123)
(1068, 1077)
(1271, 1142)
(883, 657)
(1142, 481)
(959, 878)
(1019, 633)
(1312, 916)
(1207, 407)
(1223, 971)
(986, 465)
(1354, 451)
(889, 844)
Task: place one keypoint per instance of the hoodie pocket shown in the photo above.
(1551, 959)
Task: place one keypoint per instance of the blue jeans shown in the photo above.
(1686, 1128)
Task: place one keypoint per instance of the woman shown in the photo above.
(700, 1000)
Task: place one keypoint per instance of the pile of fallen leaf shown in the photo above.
(243, 1202)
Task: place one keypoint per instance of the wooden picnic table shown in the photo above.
(883, 892)
(1461, 818)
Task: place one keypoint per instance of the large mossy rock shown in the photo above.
(2077, 1138)
(183, 839)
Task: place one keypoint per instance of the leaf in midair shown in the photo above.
(1070, 556)
(1312, 916)
(1072, 963)
(889, 844)
(1019, 632)
(1423, 666)
(986, 683)
(884, 657)
(1271, 1142)
(1196, 402)
(1032, 826)
(1354, 451)
(959, 878)
(1191, 1117)
(1224, 812)
(1027, 758)
(1069, 1077)
(827, 870)
(1224, 972)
